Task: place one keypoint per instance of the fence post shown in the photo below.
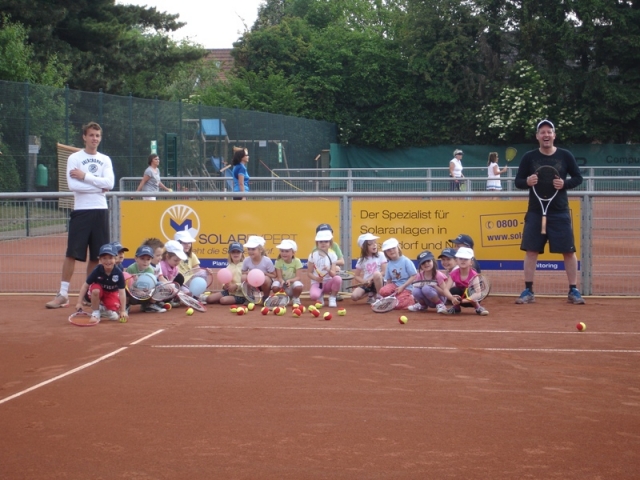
(66, 114)
(130, 134)
(586, 263)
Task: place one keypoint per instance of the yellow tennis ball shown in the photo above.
(312, 308)
(581, 326)
(283, 310)
(342, 312)
(189, 311)
(251, 306)
(233, 309)
(123, 319)
(319, 305)
(302, 308)
(403, 319)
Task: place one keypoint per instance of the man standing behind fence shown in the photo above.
(89, 176)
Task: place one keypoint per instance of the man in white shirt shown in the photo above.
(89, 176)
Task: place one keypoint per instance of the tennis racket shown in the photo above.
(204, 273)
(81, 318)
(545, 191)
(422, 283)
(165, 291)
(188, 301)
(252, 294)
(385, 304)
(346, 274)
(463, 186)
(279, 299)
(357, 285)
(477, 290)
(141, 287)
(510, 153)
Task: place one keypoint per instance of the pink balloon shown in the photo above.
(225, 275)
(255, 277)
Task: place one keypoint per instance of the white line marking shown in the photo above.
(403, 329)
(401, 347)
(77, 369)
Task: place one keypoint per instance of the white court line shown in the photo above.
(401, 347)
(77, 369)
(403, 329)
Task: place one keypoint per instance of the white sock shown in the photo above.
(64, 289)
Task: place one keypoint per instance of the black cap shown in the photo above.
(463, 239)
(118, 247)
(424, 256)
(448, 252)
(107, 249)
(235, 246)
(324, 226)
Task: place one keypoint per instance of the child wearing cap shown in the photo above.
(400, 273)
(257, 258)
(460, 278)
(105, 284)
(464, 240)
(117, 246)
(287, 266)
(334, 245)
(322, 270)
(370, 269)
(142, 264)
(431, 293)
(448, 259)
(187, 241)
(231, 292)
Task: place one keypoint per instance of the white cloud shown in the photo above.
(213, 24)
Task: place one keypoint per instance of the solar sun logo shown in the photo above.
(179, 217)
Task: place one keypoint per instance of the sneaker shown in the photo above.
(175, 303)
(95, 316)
(575, 297)
(441, 308)
(526, 296)
(371, 300)
(417, 307)
(295, 300)
(154, 308)
(111, 315)
(58, 301)
(482, 311)
(332, 302)
(203, 298)
(451, 311)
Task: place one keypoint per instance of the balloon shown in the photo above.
(145, 281)
(225, 275)
(197, 286)
(255, 277)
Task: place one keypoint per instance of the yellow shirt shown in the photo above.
(188, 264)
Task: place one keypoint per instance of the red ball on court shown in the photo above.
(581, 326)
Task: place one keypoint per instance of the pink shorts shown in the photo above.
(405, 298)
(110, 300)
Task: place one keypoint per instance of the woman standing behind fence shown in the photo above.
(455, 170)
(493, 172)
(151, 178)
(240, 173)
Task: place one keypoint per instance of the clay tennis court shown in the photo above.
(518, 394)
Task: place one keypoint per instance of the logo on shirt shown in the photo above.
(93, 168)
(115, 278)
(177, 218)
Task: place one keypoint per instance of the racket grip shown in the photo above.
(543, 230)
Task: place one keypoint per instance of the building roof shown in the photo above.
(222, 58)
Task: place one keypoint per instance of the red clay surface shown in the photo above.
(518, 394)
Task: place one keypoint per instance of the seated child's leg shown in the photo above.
(387, 290)
(315, 292)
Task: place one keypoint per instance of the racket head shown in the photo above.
(188, 301)
(385, 304)
(251, 293)
(510, 153)
(165, 291)
(280, 299)
(463, 186)
(544, 188)
(478, 289)
(346, 274)
(200, 272)
(80, 318)
(424, 283)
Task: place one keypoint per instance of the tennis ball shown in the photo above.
(581, 326)
(296, 312)
(265, 310)
(240, 311)
(234, 309)
(327, 316)
(403, 319)
(312, 308)
(319, 305)
(251, 306)
(282, 311)
(167, 306)
(123, 319)
(276, 311)
(170, 189)
(189, 311)
(342, 312)
(302, 308)
(315, 313)
(295, 305)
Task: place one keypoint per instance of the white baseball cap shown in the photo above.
(365, 237)
(391, 243)
(324, 235)
(184, 236)
(173, 246)
(288, 245)
(464, 252)
(255, 241)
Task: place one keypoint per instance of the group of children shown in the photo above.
(377, 274)
(104, 288)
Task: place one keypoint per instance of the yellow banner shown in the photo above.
(218, 223)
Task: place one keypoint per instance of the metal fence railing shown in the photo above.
(33, 235)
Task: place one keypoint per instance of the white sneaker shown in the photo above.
(417, 307)
(95, 316)
(203, 298)
(111, 316)
(371, 300)
(332, 302)
(441, 308)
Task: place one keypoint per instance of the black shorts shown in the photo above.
(559, 233)
(87, 228)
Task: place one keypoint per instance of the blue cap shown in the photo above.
(107, 249)
(463, 239)
(144, 250)
(424, 256)
(324, 226)
(236, 247)
(448, 252)
(117, 246)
